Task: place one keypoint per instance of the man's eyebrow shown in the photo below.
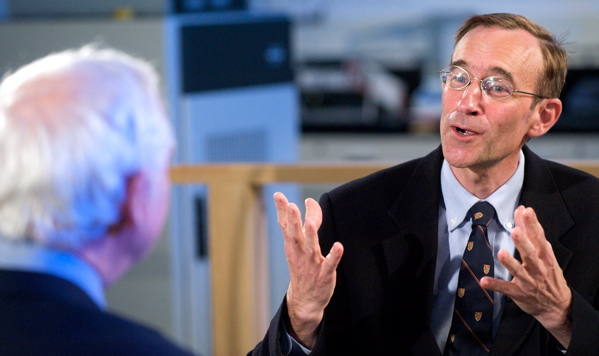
(459, 62)
(500, 71)
(503, 73)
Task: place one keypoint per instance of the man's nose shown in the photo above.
(472, 96)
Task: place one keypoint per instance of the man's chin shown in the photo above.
(458, 157)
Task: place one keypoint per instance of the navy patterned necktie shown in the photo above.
(472, 324)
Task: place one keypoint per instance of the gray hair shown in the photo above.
(74, 126)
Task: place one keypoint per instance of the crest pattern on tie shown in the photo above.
(472, 324)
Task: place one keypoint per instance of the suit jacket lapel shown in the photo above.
(539, 192)
(419, 201)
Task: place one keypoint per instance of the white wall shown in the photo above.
(400, 27)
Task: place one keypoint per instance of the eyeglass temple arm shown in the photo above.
(525, 92)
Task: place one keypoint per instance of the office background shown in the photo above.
(295, 81)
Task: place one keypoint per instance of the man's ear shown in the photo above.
(115, 252)
(548, 111)
(126, 210)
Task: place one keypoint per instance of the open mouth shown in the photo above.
(463, 132)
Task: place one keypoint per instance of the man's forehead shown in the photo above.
(496, 51)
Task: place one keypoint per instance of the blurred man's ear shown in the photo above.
(132, 186)
(122, 245)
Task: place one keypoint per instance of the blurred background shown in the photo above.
(288, 81)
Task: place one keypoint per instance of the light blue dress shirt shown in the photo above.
(29, 257)
(454, 231)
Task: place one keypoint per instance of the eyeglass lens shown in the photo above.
(457, 78)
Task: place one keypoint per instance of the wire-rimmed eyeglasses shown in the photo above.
(495, 87)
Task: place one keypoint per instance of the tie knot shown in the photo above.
(481, 213)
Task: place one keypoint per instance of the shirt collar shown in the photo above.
(27, 256)
(458, 200)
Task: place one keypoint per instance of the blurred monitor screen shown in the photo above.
(580, 97)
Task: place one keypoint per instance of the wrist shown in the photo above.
(559, 323)
(303, 324)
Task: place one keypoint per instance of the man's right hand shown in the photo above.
(312, 276)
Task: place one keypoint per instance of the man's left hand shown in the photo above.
(538, 285)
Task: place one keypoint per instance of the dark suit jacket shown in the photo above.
(388, 224)
(45, 315)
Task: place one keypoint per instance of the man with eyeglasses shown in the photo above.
(375, 268)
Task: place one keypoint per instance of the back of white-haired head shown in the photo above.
(73, 127)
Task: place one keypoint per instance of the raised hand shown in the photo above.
(538, 285)
(312, 276)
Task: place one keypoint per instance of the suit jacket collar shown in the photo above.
(42, 286)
